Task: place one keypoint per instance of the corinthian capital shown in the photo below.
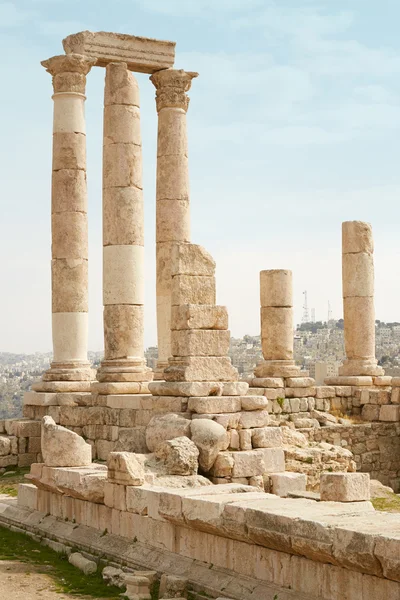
(69, 72)
(171, 86)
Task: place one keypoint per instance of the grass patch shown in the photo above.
(389, 504)
(68, 579)
(9, 482)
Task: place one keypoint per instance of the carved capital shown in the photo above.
(171, 86)
(69, 72)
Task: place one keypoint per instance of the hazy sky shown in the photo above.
(294, 127)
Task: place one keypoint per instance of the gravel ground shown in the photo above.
(22, 581)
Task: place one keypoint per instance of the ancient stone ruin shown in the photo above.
(213, 486)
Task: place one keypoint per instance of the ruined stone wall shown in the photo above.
(19, 443)
(375, 446)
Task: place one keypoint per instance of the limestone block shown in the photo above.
(201, 368)
(200, 342)
(276, 368)
(267, 382)
(70, 331)
(245, 438)
(254, 418)
(131, 439)
(9, 460)
(344, 487)
(191, 259)
(370, 412)
(384, 380)
(343, 391)
(234, 440)
(123, 331)
(209, 437)
(325, 391)
(193, 289)
(27, 496)
(389, 412)
(172, 133)
(69, 235)
(267, 437)
(123, 217)
(115, 496)
(123, 275)
(359, 339)
(180, 456)
(39, 399)
(215, 404)
(395, 398)
(277, 333)
(69, 283)
(124, 468)
(276, 288)
(185, 388)
(113, 576)
(68, 191)
(166, 427)
(172, 181)
(69, 113)
(248, 463)
(141, 54)
(122, 165)
(305, 423)
(63, 448)
(87, 566)
(5, 445)
(284, 483)
(173, 220)
(69, 151)
(137, 588)
(121, 124)
(235, 388)
(254, 402)
(274, 460)
(271, 393)
(358, 274)
(300, 382)
(350, 380)
(300, 392)
(123, 387)
(193, 316)
(357, 237)
(323, 417)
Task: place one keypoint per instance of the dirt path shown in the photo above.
(22, 581)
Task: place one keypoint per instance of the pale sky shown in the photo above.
(294, 127)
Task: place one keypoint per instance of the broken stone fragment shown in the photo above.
(166, 427)
(180, 456)
(210, 438)
(62, 447)
(124, 468)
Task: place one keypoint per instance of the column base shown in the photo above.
(277, 368)
(124, 371)
(74, 376)
(357, 367)
(159, 370)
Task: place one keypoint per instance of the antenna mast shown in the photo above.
(306, 316)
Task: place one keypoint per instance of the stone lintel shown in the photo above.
(143, 55)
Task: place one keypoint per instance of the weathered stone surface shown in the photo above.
(186, 388)
(345, 487)
(210, 438)
(200, 342)
(276, 288)
(113, 576)
(84, 483)
(166, 427)
(389, 412)
(172, 587)
(357, 237)
(235, 388)
(180, 456)
(267, 437)
(291, 437)
(62, 447)
(5, 445)
(370, 412)
(274, 460)
(194, 316)
(124, 468)
(200, 368)
(323, 418)
(254, 418)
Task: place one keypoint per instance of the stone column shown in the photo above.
(172, 194)
(358, 300)
(123, 234)
(69, 225)
(276, 325)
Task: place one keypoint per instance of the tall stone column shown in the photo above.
(172, 194)
(276, 297)
(69, 226)
(358, 300)
(123, 235)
